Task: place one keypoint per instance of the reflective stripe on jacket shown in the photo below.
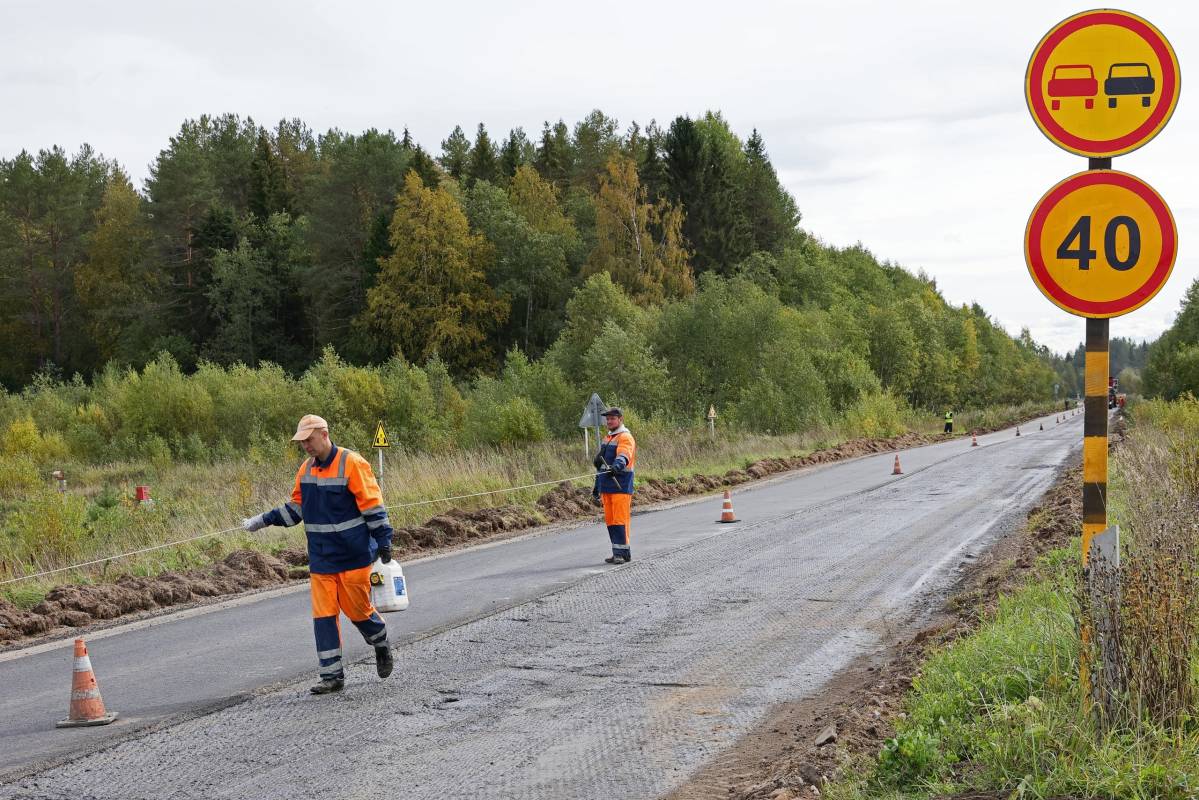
(620, 451)
(340, 504)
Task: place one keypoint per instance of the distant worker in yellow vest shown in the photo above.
(614, 484)
(949, 422)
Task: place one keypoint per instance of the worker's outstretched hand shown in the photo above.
(385, 554)
(254, 523)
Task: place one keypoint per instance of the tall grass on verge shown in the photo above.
(1002, 710)
(1146, 610)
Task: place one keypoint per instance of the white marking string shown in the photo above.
(238, 528)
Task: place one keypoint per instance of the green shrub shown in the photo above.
(911, 757)
(875, 415)
(514, 422)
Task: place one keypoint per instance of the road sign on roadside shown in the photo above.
(1100, 243)
(593, 413)
(381, 437)
(1102, 83)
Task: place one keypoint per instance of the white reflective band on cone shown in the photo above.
(83, 664)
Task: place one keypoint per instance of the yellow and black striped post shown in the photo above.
(1094, 431)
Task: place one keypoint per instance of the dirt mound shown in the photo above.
(77, 606)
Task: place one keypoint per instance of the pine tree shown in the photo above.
(651, 167)
(515, 152)
(455, 153)
(483, 164)
(424, 166)
(770, 210)
(595, 142)
(555, 156)
(268, 186)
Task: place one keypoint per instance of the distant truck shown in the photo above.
(1129, 79)
(1073, 80)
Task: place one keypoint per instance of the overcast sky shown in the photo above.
(898, 125)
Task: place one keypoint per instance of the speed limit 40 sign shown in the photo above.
(1100, 243)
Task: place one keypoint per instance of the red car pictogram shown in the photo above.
(1073, 80)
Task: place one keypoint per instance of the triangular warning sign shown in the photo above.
(381, 437)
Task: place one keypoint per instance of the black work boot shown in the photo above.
(328, 686)
(383, 661)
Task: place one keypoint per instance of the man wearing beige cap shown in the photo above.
(337, 498)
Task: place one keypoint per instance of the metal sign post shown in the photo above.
(712, 422)
(1100, 243)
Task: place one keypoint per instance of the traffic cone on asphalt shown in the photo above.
(726, 511)
(1017, 430)
(1042, 427)
(974, 443)
(897, 470)
(87, 707)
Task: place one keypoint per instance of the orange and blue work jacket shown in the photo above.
(340, 504)
(620, 452)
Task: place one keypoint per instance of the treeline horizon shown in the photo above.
(264, 246)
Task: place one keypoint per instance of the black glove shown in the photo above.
(598, 461)
(385, 554)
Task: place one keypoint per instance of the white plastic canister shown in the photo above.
(389, 590)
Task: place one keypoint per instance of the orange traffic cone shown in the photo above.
(726, 511)
(974, 443)
(87, 707)
(897, 470)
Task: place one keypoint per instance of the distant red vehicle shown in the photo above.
(1073, 80)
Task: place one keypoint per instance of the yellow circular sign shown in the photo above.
(1102, 83)
(1100, 243)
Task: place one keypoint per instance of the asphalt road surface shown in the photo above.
(527, 668)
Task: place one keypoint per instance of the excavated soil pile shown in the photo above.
(457, 525)
(806, 744)
(79, 606)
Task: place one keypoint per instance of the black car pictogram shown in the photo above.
(1129, 79)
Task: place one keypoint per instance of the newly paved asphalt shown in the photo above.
(528, 668)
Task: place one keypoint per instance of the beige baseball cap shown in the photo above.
(308, 424)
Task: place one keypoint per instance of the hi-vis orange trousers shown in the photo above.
(618, 509)
(346, 592)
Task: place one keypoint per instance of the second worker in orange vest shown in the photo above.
(614, 484)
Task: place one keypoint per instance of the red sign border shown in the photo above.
(1105, 308)
(1171, 84)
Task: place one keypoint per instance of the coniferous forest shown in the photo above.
(663, 266)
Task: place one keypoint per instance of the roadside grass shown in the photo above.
(1002, 709)
(98, 518)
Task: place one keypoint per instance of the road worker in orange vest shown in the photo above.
(337, 498)
(614, 484)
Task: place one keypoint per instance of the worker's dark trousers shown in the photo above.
(949, 427)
